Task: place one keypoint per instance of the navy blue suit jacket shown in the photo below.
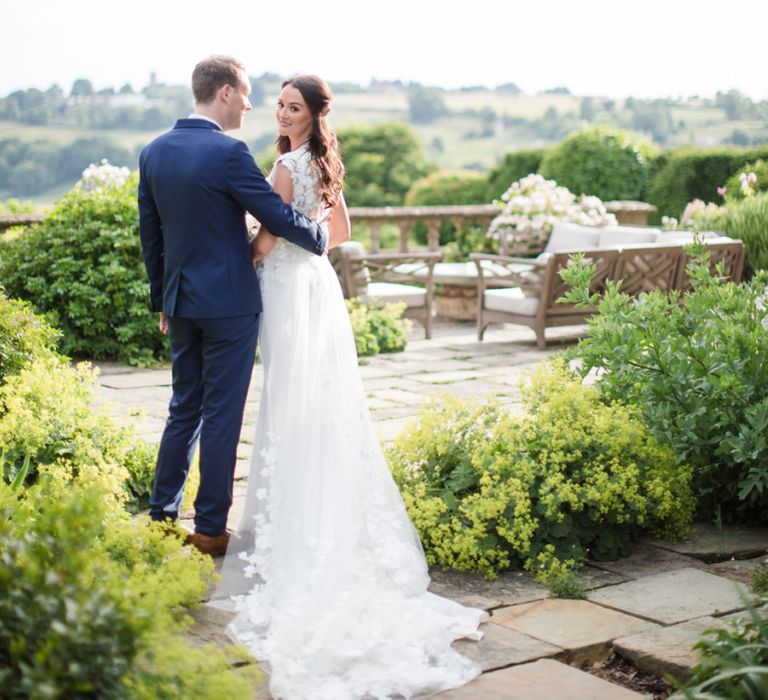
(196, 183)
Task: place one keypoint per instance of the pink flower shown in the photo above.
(721, 191)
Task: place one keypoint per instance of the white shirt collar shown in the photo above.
(195, 115)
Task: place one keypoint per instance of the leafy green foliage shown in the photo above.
(760, 578)
(48, 422)
(23, 336)
(83, 268)
(93, 605)
(601, 161)
(14, 206)
(31, 167)
(514, 166)
(694, 367)
(382, 163)
(688, 174)
(747, 220)
(733, 661)
(488, 490)
(378, 328)
(447, 188)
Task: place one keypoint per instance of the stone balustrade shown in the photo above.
(9, 220)
(626, 212)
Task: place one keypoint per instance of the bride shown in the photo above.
(326, 572)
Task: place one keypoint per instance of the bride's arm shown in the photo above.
(283, 185)
(339, 227)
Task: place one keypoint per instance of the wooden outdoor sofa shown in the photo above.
(525, 291)
(382, 278)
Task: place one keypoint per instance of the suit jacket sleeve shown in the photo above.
(248, 186)
(151, 233)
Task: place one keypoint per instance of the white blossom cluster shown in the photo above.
(698, 211)
(103, 177)
(534, 203)
(748, 183)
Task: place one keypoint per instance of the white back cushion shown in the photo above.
(567, 236)
(626, 236)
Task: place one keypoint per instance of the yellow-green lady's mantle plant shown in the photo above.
(573, 476)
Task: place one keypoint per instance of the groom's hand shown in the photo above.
(163, 324)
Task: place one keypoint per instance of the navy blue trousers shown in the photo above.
(212, 366)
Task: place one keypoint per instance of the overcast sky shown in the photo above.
(649, 48)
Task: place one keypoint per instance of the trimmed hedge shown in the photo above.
(689, 174)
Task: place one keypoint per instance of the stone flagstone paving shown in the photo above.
(649, 606)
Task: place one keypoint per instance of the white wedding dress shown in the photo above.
(326, 572)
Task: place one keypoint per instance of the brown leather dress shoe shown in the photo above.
(214, 546)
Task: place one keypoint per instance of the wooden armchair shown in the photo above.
(388, 277)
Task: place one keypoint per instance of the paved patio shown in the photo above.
(649, 606)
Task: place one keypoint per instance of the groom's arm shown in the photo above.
(151, 233)
(248, 186)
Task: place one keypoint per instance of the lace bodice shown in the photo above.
(305, 200)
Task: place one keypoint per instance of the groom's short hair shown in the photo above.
(213, 73)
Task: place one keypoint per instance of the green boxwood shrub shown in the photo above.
(93, 605)
(378, 328)
(573, 476)
(514, 165)
(82, 267)
(24, 336)
(689, 174)
(693, 366)
(602, 161)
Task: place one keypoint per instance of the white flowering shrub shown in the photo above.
(103, 177)
(533, 205)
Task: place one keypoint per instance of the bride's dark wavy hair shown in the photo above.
(323, 143)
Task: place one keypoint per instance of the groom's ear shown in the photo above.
(225, 92)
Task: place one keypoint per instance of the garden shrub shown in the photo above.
(48, 420)
(694, 366)
(733, 661)
(449, 188)
(83, 269)
(488, 490)
(93, 604)
(378, 328)
(689, 174)
(747, 220)
(24, 336)
(514, 166)
(601, 161)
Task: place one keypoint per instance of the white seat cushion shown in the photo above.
(567, 236)
(512, 300)
(626, 236)
(388, 292)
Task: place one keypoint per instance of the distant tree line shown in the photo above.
(30, 167)
(154, 107)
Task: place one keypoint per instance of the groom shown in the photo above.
(196, 184)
